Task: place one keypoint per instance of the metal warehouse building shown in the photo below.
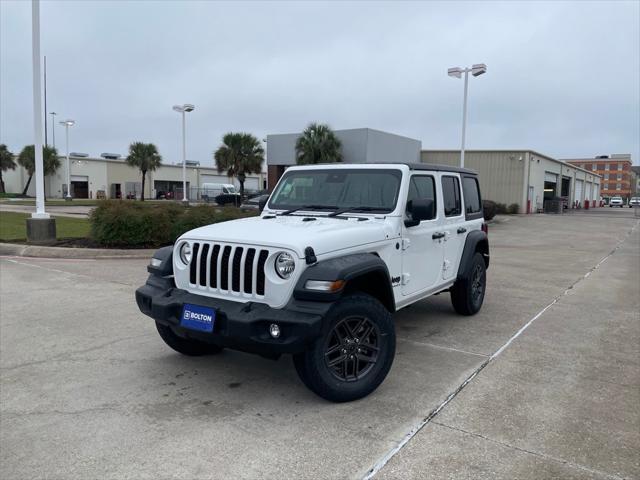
(113, 178)
(524, 177)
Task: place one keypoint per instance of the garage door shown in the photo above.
(578, 196)
(550, 177)
(596, 192)
(214, 179)
(587, 195)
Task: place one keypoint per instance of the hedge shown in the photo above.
(117, 223)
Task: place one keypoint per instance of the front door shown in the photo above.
(422, 254)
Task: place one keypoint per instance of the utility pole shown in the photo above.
(46, 142)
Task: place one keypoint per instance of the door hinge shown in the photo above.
(405, 278)
(405, 243)
(445, 265)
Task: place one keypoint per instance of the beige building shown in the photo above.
(93, 177)
(525, 177)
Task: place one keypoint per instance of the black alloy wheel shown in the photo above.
(351, 349)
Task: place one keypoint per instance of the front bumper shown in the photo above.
(239, 326)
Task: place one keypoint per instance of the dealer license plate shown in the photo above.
(198, 318)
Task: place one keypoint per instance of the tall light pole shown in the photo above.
(476, 70)
(53, 127)
(67, 124)
(187, 107)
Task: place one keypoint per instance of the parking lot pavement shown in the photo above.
(88, 390)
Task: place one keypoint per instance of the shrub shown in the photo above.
(488, 209)
(513, 209)
(194, 217)
(501, 209)
(117, 223)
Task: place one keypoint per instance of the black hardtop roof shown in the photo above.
(440, 168)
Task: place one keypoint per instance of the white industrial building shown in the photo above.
(525, 177)
(113, 178)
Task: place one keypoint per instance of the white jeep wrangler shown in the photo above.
(335, 251)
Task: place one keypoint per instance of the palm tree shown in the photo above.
(27, 159)
(6, 163)
(239, 154)
(318, 144)
(145, 157)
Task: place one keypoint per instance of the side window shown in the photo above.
(471, 195)
(421, 186)
(451, 196)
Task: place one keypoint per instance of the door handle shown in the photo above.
(438, 235)
(462, 230)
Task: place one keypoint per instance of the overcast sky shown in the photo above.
(563, 78)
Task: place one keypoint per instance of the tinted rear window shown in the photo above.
(471, 195)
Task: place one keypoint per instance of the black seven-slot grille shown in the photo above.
(228, 268)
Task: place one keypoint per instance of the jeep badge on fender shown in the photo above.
(336, 251)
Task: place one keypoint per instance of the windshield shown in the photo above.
(371, 190)
(229, 189)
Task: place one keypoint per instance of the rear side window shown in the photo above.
(471, 195)
(451, 196)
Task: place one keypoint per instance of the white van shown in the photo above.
(209, 191)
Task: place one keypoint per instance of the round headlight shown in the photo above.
(285, 265)
(185, 253)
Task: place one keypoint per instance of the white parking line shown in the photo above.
(416, 428)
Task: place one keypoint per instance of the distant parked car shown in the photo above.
(254, 202)
(634, 202)
(616, 202)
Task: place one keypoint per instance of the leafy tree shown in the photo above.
(144, 157)
(318, 144)
(239, 154)
(27, 159)
(6, 163)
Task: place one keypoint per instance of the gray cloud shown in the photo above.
(563, 77)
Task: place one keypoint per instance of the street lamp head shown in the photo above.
(68, 123)
(455, 72)
(187, 107)
(52, 113)
(478, 69)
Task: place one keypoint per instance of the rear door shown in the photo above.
(453, 224)
(421, 253)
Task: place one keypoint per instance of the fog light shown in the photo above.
(274, 330)
(156, 262)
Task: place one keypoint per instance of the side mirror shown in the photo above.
(421, 209)
(262, 203)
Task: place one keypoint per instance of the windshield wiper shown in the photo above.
(353, 209)
(309, 207)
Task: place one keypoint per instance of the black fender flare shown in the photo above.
(349, 268)
(165, 255)
(476, 241)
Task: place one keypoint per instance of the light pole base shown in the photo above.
(68, 198)
(185, 202)
(41, 230)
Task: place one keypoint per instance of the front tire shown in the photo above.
(354, 353)
(467, 294)
(186, 346)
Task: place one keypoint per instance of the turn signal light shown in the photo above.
(324, 286)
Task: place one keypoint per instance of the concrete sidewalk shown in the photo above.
(562, 401)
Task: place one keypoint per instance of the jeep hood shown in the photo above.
(323, 234)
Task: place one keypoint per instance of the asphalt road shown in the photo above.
(543, 382)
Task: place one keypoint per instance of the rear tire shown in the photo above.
(467, 294)
(354, 353)
(186, 346)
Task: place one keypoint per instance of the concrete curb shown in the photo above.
(18, 250)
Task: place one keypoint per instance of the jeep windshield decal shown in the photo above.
(343, 190)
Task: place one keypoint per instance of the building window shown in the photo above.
(619, 176)
(606, 166)
(618, 186)
(620, 166)
(614, 166)
(606, 176)
(601, 166)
